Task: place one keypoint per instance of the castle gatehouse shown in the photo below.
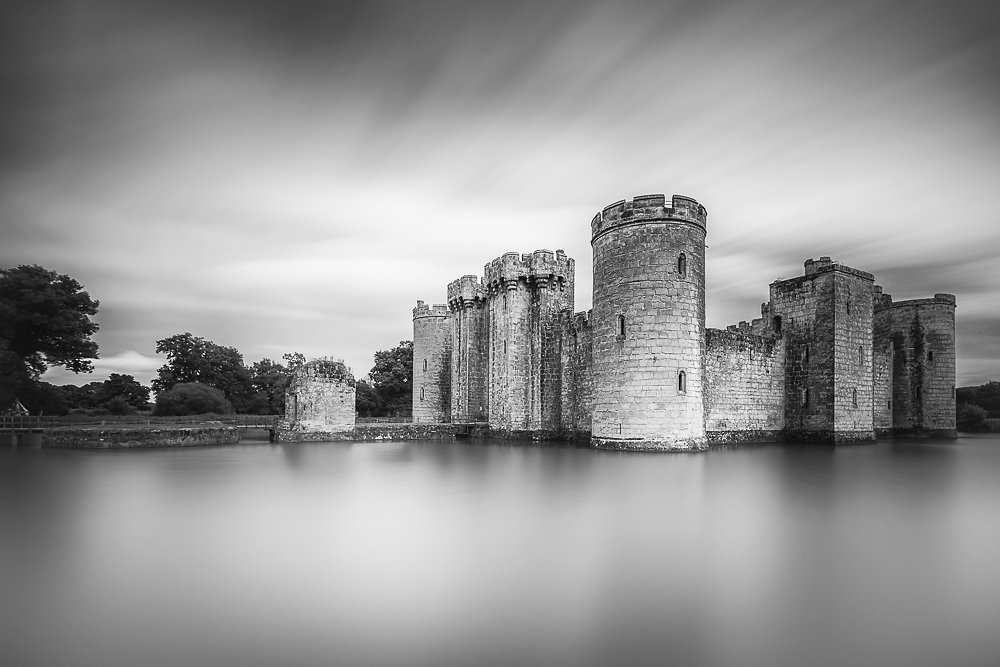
(831, 357)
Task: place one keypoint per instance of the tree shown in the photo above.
(366, 400)
(45, 320)
(392, 379)
(125, 387)
(270, 380)
(970, 418)
(191, 398)
(194, 359)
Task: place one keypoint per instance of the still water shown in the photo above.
(490, 553)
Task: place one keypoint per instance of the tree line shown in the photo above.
(977, 409)
(45, 321)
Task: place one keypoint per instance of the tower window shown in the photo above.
(682, 265)
(505, 347)
(425, 364)
(930, 355)
(621, 326)
(805, 355)
(681, 382)
(804, 397)
(421, 393)
(776, 324)
(861, 355)
(854, 397)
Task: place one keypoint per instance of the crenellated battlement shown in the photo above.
(542, 268)
(465, 292)
(940, 299)
(437, 310)
(649, 208)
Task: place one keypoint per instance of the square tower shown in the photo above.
(825, 318)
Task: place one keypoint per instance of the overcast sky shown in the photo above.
(293, 176)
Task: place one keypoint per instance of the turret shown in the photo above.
(648, 324)
(432, 341)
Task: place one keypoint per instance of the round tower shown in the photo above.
(649, 324)
(431, 364)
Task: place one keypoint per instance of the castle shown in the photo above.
(830, 359)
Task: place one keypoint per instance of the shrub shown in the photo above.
(971, 418)
(191, 398)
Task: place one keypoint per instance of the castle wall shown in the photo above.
(744, 387)
(469, 350)
(852, 369)
(526, 296)
(648, 324)
(882, 370)
(320, 399)
(432, 340)
(922, 335)
(577, 375)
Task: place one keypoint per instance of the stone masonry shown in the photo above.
(319, 403)
(830, 359)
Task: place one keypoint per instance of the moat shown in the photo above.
(490, 553)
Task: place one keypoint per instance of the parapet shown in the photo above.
(816, 267)
(542, 267)
(648, 208)
(465, 291)
(939, 299)
(423, 310)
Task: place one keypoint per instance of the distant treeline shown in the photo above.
(978, 408)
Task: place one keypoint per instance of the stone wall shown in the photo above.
(648, 324)
(432, 339)
(135, 438)
(922, 335)
(577, 375)
(744, 386)
(882, 370)
(852, 369)
(319, 401)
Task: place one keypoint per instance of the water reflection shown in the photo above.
(490, 553)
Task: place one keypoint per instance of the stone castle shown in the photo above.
(832, 358)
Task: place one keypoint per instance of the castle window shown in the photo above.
(776, 324)
(421, 393)
(930, 355)
(682, 265)
(805, 355)
(621, 326)
(888, 405)
(804, 397)
(861, 355)
(505, 347)
(854, 397)
(425, 364)
(681, 382)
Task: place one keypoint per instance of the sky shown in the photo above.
(294, 176)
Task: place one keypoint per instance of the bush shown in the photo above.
(191, 398)
(118, 405)
(971, 418)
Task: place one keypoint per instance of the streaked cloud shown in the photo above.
(293, 176)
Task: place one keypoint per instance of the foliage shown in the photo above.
(42, 398)
(119, 405)
(970, 418)
(191, 359)
(367, 401)
(270, 380)
(392, 379)
(191, 398)
(986, 396)
(125, 387)
(45, 320)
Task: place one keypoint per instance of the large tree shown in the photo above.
(194, 359)
(45, 319)
(392, 379)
